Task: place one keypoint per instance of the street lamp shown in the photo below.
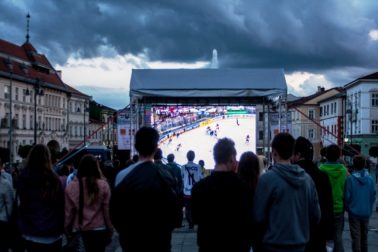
(350, 113)
(110, 137)
(85, 109)
(38, 91)
(10, 66)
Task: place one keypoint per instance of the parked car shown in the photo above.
(102, 153)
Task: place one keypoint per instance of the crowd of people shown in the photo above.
(293, 205)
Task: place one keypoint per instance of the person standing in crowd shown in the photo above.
(359, 202)
(41, 209)
(63, 174)
(175, 170)
(222, 205)
(191, 175)
(319, 234)
(96, 226)
(158, 156)
(205, 172)
(142, 207)
(4, 174)
(73, 171)
(249, 169)
(285, 202)
(337, 174)
(6, 208)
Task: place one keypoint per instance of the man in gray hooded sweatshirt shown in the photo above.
(286, 202)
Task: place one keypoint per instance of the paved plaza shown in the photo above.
(184, 240)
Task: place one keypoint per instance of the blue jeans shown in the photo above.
(358, 233)
(338, 232)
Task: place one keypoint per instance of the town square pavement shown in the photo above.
(184, 240)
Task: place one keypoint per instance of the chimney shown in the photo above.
(59, 73)
(320, 89)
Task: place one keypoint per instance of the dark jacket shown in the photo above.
(222, 208)
(142, 210)
(40, 214)
(324, 231)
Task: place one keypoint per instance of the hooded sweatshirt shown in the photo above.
(337, 174)
(359, 195)
(285, 204)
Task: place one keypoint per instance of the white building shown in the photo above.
(362, 112)
(34, 97)
(332, 111)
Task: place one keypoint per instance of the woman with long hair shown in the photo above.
(249, 169)
(41, 208)
(96, 227)
(249, 172)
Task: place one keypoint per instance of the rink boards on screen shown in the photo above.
(195, 137)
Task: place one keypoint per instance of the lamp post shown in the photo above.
(10, 66)
(350, 112)
(38, 91)
(85, 109)
(108, 122)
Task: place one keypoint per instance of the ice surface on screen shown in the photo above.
(233, 122)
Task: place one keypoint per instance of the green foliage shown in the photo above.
(95, 111)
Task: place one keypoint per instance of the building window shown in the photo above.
(374, 100)
(311, 134)
(334, 108)
(16, 121)
(16, 97)
(6, 92)
(261, 135)
(331, 108)
(321, 111)
(374, 126)
(261, 116)
(39, 122)
(311, 114)
(24, 121)
(31, 123)
(23, 95)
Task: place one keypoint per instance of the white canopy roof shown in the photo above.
(207, 83)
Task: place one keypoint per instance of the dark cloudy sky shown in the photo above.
(96, 43)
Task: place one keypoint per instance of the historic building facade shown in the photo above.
(36, 106)
(361, 126)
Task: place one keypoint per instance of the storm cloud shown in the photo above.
(297, 35)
